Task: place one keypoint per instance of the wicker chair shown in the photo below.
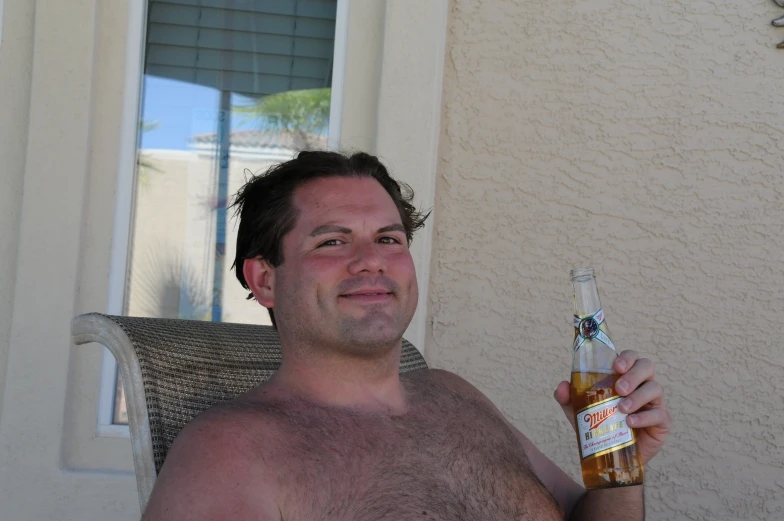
(173, 370)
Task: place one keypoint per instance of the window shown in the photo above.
(229, 88)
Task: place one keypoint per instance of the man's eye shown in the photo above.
(389, 240)
(331, 242)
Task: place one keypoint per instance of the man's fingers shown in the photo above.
(625, 361)
(641, 371)
(651, 418)
(649, 393)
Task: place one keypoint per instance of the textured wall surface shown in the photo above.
(645, 139)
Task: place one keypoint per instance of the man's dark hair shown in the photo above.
(265, 204)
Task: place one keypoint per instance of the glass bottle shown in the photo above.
(607, 445)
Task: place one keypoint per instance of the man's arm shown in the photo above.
(596, 505)
(211, 474)
(647, 414)
(610, 503)
(625, 503)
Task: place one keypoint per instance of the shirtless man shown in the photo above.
(337, 434)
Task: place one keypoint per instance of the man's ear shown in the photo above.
(260, 276)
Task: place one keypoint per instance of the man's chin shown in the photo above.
(371, 335)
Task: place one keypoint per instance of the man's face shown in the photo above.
(347, 280)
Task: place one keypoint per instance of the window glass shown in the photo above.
(230, 88)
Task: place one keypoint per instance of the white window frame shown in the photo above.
(126, 177)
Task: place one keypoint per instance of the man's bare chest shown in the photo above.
(446, 461)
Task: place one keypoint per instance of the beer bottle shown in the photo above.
(608, 449)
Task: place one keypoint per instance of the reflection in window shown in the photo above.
(230, 87)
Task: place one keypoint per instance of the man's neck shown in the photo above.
(338, 380)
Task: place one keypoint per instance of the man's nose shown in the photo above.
(367, 258)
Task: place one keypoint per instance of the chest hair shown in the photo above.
(447, 458)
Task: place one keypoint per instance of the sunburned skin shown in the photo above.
(447, 457)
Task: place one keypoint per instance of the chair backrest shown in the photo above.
(174, 369)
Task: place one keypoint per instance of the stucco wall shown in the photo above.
(645, 139)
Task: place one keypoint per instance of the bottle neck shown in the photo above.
(594, 351)
(586, 296)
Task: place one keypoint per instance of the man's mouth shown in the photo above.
(370, 296)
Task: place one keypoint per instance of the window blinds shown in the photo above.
(250, 47)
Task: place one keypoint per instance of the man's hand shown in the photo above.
(644, 402)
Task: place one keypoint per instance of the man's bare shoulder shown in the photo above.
(247, 412)
(217, 464)
(240, 432)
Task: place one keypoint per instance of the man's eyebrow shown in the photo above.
(329, 228)
(332, 228)
(392, 228)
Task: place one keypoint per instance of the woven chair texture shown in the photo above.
(187, 366)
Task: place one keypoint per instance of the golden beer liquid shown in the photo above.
(619, 468)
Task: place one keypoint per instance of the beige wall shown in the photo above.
(16, 50)
(645, 139)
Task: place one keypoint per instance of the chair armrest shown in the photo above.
(95, 327)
